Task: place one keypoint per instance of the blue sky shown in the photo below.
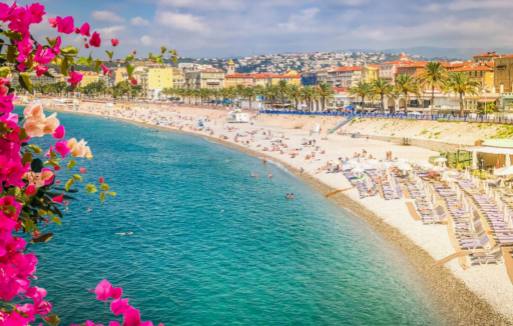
(207, 28)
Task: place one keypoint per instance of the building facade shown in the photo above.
(207, 78)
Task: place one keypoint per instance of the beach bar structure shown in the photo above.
(492, 153)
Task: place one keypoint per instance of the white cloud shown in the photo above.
(300, 21)
(107, 16)
(460, 5)
(146, 40)
(111, 31)
(139, 21)
(205, 4)
(186, 22)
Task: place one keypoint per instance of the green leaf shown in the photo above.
(52, 320)
(102, 197)
(5, 71)
(112, 193)
(25, 81)
(27, 158)
(43, 238)
(130, 70)
(77, 177)
(11, 53)
(69, 51)
(65, 66)
(57, 220)
(36, 149)
(90, 188)
(110, 54)
(69, 184)
(71, 164)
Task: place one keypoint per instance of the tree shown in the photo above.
(325, 92)
(460, 83)
(362, 90)
(382, 88)
(249, 94)
(433, 77)
(294, 93)
(405, 85)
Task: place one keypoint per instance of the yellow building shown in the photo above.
(483, 74)
(236, 79)
(89, 77)
(503, 70)
(370, 73)
(206, 78)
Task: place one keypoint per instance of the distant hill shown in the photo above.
(447, 53)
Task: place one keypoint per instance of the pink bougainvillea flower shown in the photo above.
(133, 81)
(56, 48)
(104, 290)
(114, 42)
(37, 11)
(59, 132)
(30, 190)
(101, 180)
(75, 78)
(52, 21)
(62, 148)
(95, 40)
(65, 25)
(44, 55)
(58, 199)
(41, 70)
(119, 306)
(82, 170)
(131, 317)
(105, 69)
(85, 29)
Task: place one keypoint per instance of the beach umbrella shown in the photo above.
(506, 171)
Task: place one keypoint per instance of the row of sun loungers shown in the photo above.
(502, 232)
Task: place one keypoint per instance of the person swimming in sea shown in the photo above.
(270, 175)
(254, 175)
(290, 196)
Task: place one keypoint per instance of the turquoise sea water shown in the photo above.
(213, 246)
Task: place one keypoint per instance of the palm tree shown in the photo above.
(281, 91)
(307, 94)
(294, 93)
(405, 85)
(362, 90)
(270, 94)
(249, 94)
(433, 77)
(382, 88)
(461, 84)
(325, 92)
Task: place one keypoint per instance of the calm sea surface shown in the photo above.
(213, 246)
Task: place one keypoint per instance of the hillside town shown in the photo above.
(346, 75)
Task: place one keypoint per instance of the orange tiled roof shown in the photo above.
(473, 68)
(413, 64)
(238, 75)
(344, 69)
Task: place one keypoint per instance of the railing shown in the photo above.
(432, 117)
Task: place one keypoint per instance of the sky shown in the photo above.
(231, 28)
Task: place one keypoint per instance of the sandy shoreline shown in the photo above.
(460, 298)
